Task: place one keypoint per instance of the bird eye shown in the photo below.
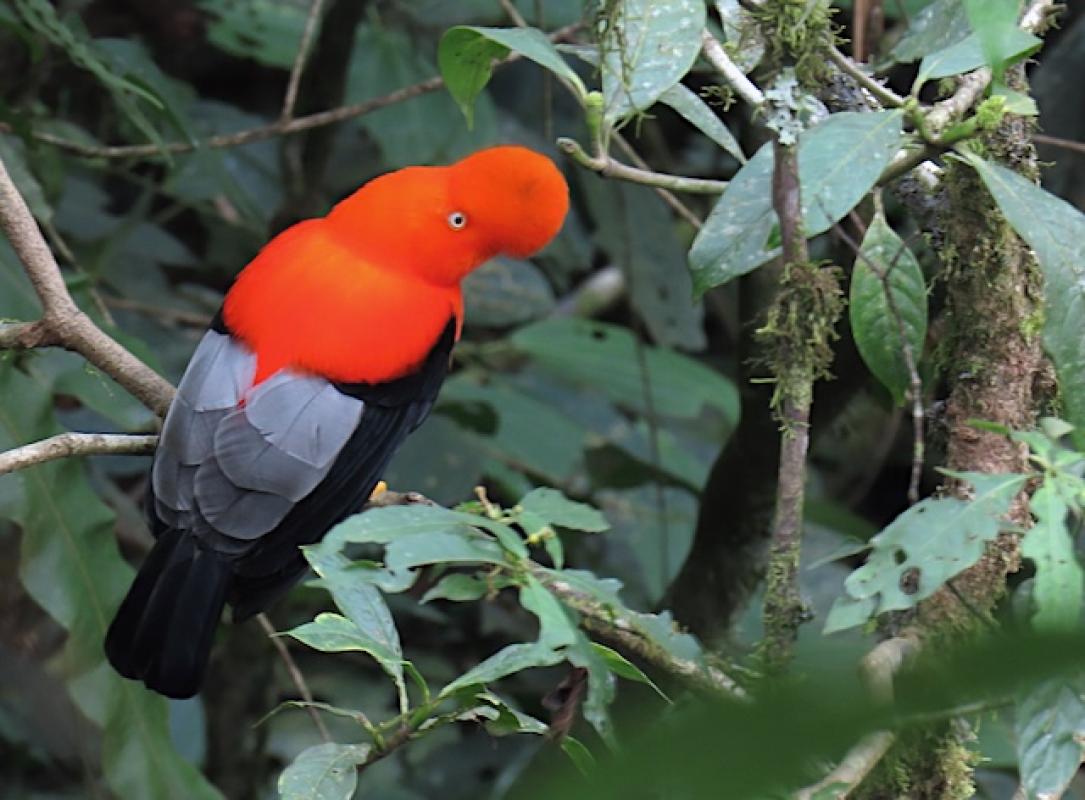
(457, 220)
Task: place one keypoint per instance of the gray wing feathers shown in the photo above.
(238, 470)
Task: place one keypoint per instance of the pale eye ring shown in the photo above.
(457, 220)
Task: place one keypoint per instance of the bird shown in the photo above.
(329, 349)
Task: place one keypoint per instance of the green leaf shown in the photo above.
(579, 754)
(1050, 728)
(334, 633)
(646, 47)
(605, 357)
(638, 234)
(514, 658)
(457, 587)
(927, 545)
(968, 54)
(529, 434)
(839, 161)
(1057, 589)
(466, 55)
(555, 629)
(441, 547)
(624, 668)
(70, 566)
(849, 612)
(364, 606)
(875, 326)
(697, 112)
(69, 36)
(13, 154)
(262, 30)
(658, 525)
(441, 460)
(323, 772)
(557, 509)
(1001, 40)
(939, 25)
(383, 525)
(1055, 231)
(505, 292)
(746, 46)
(602, 687)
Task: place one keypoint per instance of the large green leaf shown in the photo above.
(383, 525)
(71, 567)
(605, 356)
(1057, 589)
(939, 25)
(466, 56)
(1050, 726)
(839, 161)
(969, 54)
(263, 30)
(1055, 231)
(639, 235)
(646, 46)
(326, 771)
(874, 324)
(602, 687)
(530, 434)
(1000, 38)
(924, 547)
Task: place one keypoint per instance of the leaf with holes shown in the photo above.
(1055, 231)
(840, 159)
(646, 46)
(1057, 589)
(1050, 728)
(466, 57)
(323, 772)
(928, 544)
(880, 328)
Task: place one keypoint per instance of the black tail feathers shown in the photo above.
(163, 630)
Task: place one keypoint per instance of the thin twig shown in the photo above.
(295, 674)
(514, 13)
(1055, 141)
(611, 168)
(883, 93)
(304, 46)
(63, 322)
(64, 445)
(718, 57)
(278, 128)
(194, 319)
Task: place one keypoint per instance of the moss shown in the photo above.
(799, 330)
(797, 33)
(938, 752)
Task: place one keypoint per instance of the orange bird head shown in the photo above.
(439, 223)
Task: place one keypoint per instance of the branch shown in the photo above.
(876, 671)
(75, 444)
(292, 85)
(604, 620)
(679, 207)
(608, 167)
(884, 94)
(282, 127)
(718, 57)
(974, 84)
(62, 322)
